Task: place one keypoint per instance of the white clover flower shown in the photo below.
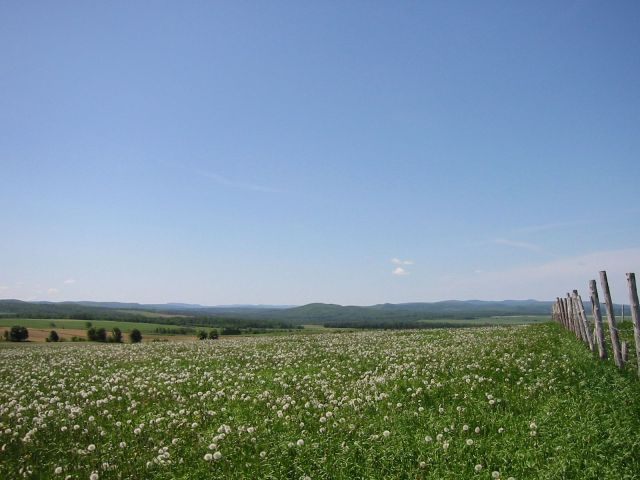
(478, 467)
(495, 474)
(122, 444)
(208, 457)
(300, 442)
(423, 464)
(58, 470)
(428, 439)
(386, 433)
(137, 431)
(477, 430)
(94, 476)
(501, 430)
(465, 427)
(217, 456)
(263, 454)
(469, 442)
(91, 447)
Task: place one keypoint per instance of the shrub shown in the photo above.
(101, 334)
(213, 334)
(92, 334)
(18, 333)
(202, 335)
(116, 335)
(53, 336)
(135, 336)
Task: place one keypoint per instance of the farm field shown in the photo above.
(499, 402)
(484, 321)
(64, 323)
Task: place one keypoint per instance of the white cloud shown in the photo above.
(400, 271)
(69, 281)
(397, 261)
(52, 291)
(3, 287)
(546, 281)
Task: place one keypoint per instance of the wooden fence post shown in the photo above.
(578, 319)
(562, 313)
(583, 317)
(567, 308)
(613, 329)
(635, 314)
(597, 318)
(625, 351)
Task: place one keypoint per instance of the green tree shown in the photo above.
(18, 333)
(92, 334)
(213, 334)
(53, 336)
(101, 334)
(116, 335)
(202, 335)
(135, 336)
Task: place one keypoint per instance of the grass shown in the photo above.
(525, 402)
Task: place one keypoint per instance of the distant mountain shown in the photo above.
(257, 316)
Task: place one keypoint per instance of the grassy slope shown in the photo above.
(586, 412)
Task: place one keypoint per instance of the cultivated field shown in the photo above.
(502, 402)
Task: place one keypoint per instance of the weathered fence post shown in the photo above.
(563, 313)
(583, 317)
(572, 317)
(597, 318)
(635, 314)
(613, 329)
(578, 319)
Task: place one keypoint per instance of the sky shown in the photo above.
(294, 152)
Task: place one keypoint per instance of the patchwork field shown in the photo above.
(501, 402)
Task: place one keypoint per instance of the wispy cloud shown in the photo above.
(551, 226)
(516, 244)
(52, 291)
(546, 280)
(69, 281)
(227, 182)
(400, 271)
(397, 261)
(3, 287)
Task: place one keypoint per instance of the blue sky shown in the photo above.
(292, 152)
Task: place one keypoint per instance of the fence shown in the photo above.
(569, 312)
